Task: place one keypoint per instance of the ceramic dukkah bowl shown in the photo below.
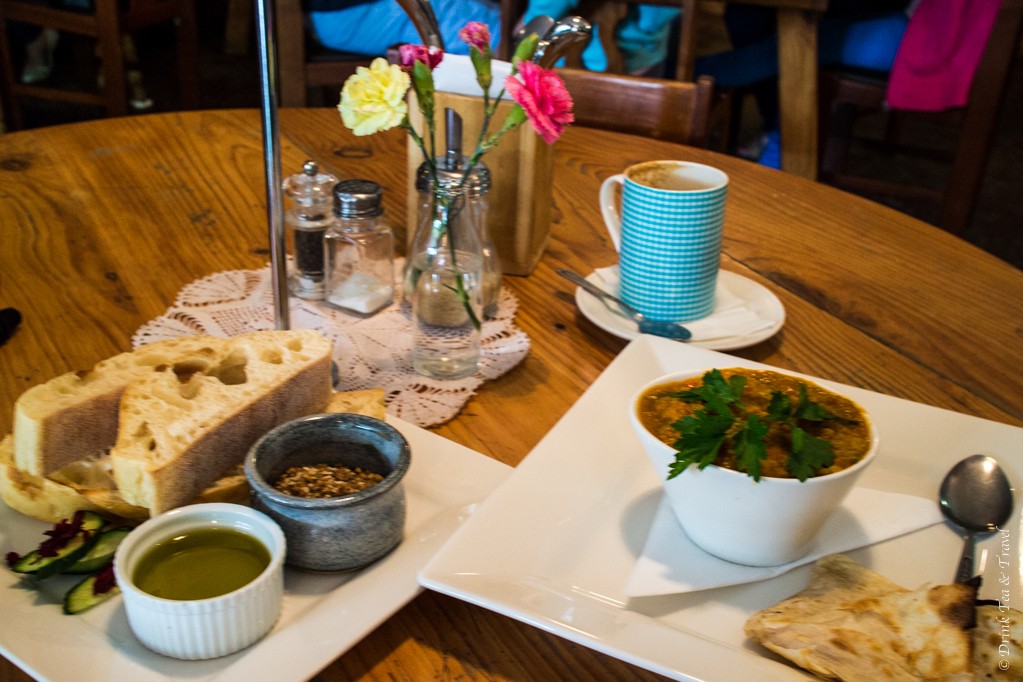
(334, 533)
(203, 628)
(728, 514)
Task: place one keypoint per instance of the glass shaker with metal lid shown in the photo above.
(359, 250)
(308, 219)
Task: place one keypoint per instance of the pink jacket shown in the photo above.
(939, 53)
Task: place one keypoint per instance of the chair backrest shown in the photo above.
(843, 91)
(303, 66)
(651, 107)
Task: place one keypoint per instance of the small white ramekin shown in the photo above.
(203, 628)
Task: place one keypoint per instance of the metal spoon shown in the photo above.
(976, 496)
(540, 25)
(559, 38)
(669, 330)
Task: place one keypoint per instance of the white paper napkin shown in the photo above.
(732, 316)
(672, 564)
(456, 74)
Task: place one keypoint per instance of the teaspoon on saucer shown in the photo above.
(669, 330)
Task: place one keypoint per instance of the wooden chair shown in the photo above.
(107, 24)
(844, 94)
(307, 69)
(652, 107)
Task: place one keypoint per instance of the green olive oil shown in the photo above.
(201, 564)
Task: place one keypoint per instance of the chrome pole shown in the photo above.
(267, 44)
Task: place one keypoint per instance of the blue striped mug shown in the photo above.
(667, 231)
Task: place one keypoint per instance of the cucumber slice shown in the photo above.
(93, 590)
(101, 553)
(85, 528)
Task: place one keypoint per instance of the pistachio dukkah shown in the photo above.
(759, 422)
(325, 480)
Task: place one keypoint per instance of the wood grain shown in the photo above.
(102, 223)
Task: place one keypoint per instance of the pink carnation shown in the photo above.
(476, 34)
(542, 94)
(410, 54)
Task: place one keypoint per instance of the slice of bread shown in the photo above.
(89, 483)
(37, 496)
(182, 428)
(74, 416)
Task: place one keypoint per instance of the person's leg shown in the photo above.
(867, 43)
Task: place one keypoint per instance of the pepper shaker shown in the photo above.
(308, 220)
(359, 250)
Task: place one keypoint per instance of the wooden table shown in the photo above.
(102, 223)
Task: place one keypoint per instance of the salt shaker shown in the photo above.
(359, 250)
(308, 220)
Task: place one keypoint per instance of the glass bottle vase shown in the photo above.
(443, 282)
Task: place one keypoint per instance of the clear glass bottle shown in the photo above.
(476, 187)
(307, 219)
(443, 281)
(359, 250)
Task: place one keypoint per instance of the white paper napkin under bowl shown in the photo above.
(672, 564)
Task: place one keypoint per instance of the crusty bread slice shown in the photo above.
(181, 429)
(37, 496)
(74, 416)
(89, 483)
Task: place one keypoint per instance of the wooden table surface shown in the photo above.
(102, 223)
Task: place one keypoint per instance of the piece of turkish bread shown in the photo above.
(73, 416)
(855, 625)
(182, 428)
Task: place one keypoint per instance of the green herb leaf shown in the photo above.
(809, 454)
(809, 410)
(715, 392)
(701, 438)
(780, 408)
(749, 446)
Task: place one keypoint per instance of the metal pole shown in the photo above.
(272, 157)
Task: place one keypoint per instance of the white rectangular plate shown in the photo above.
(555, 544)
(323, 614)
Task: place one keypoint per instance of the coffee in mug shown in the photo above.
(667, 227)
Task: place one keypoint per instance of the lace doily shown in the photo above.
(372, 352)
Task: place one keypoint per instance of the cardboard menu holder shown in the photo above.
(521, 170)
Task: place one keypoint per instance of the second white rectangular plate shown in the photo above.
(322, 616)
(555, 544)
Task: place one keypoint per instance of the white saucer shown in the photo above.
(756, 297)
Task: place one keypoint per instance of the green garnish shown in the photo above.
(725, 419)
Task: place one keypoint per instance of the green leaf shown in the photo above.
(701, 437)
(717, 393)
(780, 407)
(748, 444)
(422, 83)
(525, 50)
(809, 454)
(809, 410)
(481, 63)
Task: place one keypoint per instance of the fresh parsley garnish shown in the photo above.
(725, 420)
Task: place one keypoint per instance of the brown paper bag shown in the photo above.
(520, 171)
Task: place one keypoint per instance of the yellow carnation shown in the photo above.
(374, 99)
